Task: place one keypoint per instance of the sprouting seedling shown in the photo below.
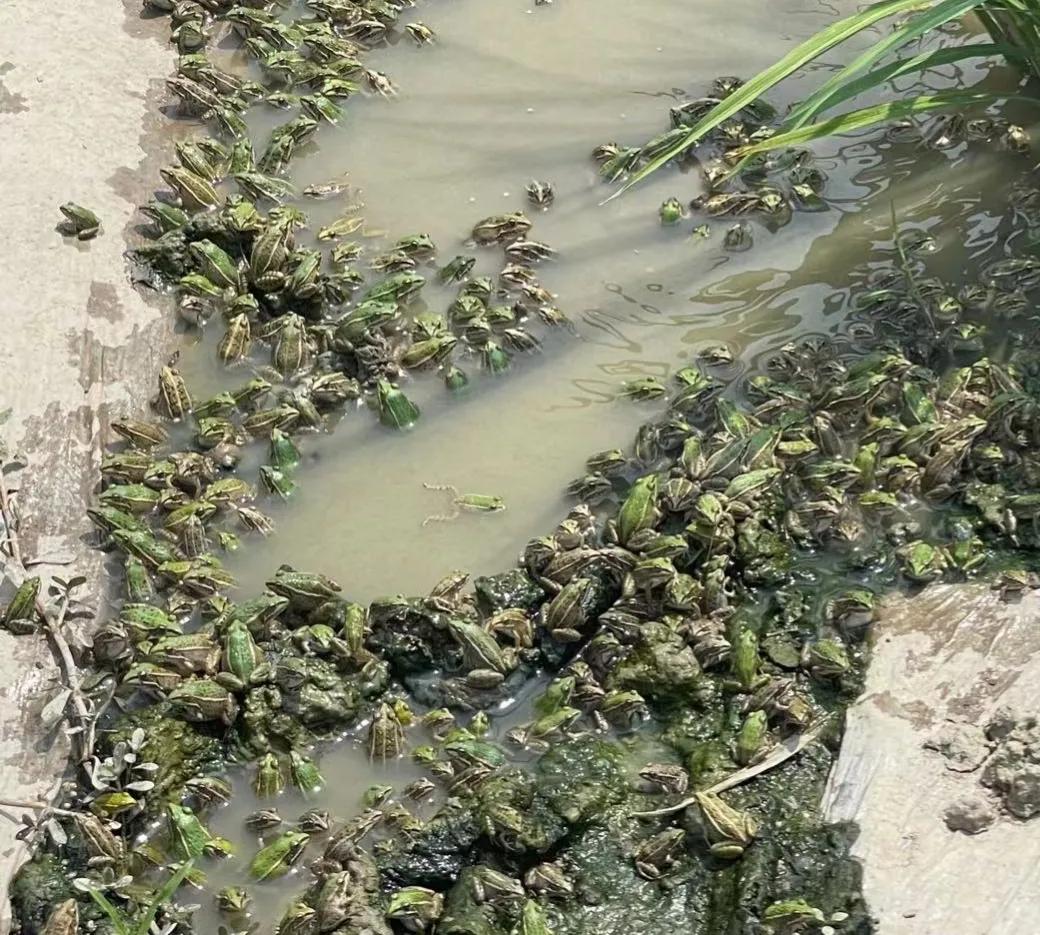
(476, 502)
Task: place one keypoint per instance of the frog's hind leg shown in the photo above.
(444, 517)
(441, 518)
(450, 488)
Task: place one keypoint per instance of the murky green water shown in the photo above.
(508, 94)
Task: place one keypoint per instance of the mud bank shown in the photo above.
(79, 120)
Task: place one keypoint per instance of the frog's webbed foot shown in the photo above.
(441, 518)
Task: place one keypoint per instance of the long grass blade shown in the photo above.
(920, 64)
(812, 48)
(822, 97)
(117, 918)
(167, 890)
(872, 116)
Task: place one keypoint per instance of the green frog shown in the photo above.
(473, 502)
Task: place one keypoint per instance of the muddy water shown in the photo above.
(508, 94)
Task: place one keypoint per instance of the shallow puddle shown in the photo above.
(508, 94)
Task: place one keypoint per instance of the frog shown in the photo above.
(187, 654)
(665, 777)
(241, 654)
(541, 194)
(753, 740)
(233, 900)
(923, 562)
(655, 855)
(491, 886)
(1013, 582)
(216, 265)
(643, 388)
(791, 915)
(305, 591)
(738, 238)
(80, 221)
(852, 610)
(385, 734)
(639, 510)
(501, 228)
(396, 410)
(174, 400)
(268, 780)
(473, 502)
(276, 858)
(101, 844)
(624, 709)
(415, 907)
(825, 659)
(195, 192)
(671, 211)
(727, 831)
(717, 355)
(190, 836)
(549, 879)
(304, 772)
(744, 662)
(202, 699)
(533, 920)
(420, 33)
(63, 920)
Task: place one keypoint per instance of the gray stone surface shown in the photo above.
(951, 655)
(80, 89)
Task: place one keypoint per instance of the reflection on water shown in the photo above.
(508, 94)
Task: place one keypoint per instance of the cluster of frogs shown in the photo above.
(707, 598)
(231, 236)
(769, 186)
(711, 590)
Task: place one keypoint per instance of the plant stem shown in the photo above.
(52, 625)
(35, 806)
(9, 521)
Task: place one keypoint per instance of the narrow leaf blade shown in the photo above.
(810, 49)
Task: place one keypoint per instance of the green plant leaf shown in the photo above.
(921, 63)
(812, 48)
(163, 896)
(823, 97)
(115, 916)
(871, 116)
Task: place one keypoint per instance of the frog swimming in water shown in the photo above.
(475, 502)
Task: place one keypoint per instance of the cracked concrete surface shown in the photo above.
(953, 653)
(79, 121)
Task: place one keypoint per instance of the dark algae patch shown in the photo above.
(674, 657)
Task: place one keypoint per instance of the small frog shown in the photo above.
(476, 502)
(825, 659)
(276, 858)
(80, 221)
(792, 915)
(671, 211)
(728, 831)
(1013, 582)
(420, 33)
(752, 741)
(655, 855)
(540, 193)
(744, 662)
(922, 562)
